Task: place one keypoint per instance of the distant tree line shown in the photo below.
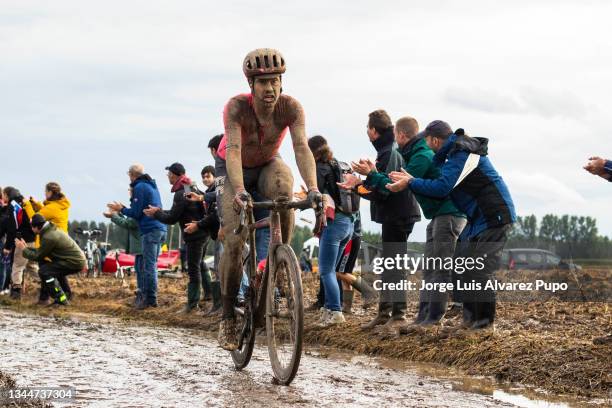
(570, 236)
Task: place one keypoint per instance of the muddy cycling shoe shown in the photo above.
(228, 339)
(377, 321)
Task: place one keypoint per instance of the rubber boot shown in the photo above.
(216, 298)
(193, 297)
(16, 292)
(368, 294)
(56, 292)
(485, 315)
(206, 284)
(347, 302)
(435, 313)
(469, 313)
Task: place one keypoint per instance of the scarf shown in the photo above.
(182, 181)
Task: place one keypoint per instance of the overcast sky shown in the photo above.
(86, 88)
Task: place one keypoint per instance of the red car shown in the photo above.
(167, 261)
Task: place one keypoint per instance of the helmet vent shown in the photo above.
(267, 61)
(274, 61)
(257, 62)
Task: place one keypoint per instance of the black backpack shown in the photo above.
(348, 199)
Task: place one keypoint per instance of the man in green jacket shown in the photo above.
(446, 223)
(58, 257)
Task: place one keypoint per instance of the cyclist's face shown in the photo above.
(267, 90)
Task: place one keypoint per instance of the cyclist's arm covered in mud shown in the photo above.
(233, 155)
(303, 155)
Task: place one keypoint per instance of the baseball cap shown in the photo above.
(38, 221)
(437, 128)
(176, 168)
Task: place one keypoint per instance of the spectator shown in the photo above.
(210, 224)
(468, 176)
(58, 256)
(335, 235)
(397, 213)
(153, 232)
(600, 167)
(5, 261)
(213, 145)
(305, 262)
(16, 226)
(133, 246)
(54, 208)
(344, 272)
(447, 221)
(184, 212)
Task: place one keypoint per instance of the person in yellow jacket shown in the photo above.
(54, 208)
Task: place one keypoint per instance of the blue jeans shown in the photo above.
(331, 245)
(139, 275)
(151, 244)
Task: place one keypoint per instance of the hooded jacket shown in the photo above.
(16, 223)
(54, 211)
(399, 209)
(418, 161)
(57, 246)
(144, 193)
(467, 175)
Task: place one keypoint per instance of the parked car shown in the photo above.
(530, 258)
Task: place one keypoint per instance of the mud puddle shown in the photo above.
(113, 364)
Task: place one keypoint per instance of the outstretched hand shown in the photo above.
(596, 166)
(363, 167)
(192, 196)
(400, 179)
(115, 206)
(350, 182)
(150, 211)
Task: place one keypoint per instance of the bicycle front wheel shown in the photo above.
(285, 315)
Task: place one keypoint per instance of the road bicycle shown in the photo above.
(274, 297)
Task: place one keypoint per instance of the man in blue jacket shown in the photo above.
(153, 232)
(471, 181)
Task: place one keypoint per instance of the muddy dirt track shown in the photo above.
(560, 347)
(115, 364)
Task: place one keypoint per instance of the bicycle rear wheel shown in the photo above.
(285, 315)
(246, 334)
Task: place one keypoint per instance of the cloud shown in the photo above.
(530, 100)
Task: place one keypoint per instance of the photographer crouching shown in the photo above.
(58, 256)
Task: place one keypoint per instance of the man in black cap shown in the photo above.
(184, 212)
(58, 257)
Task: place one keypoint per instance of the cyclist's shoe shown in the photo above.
(228, 339)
